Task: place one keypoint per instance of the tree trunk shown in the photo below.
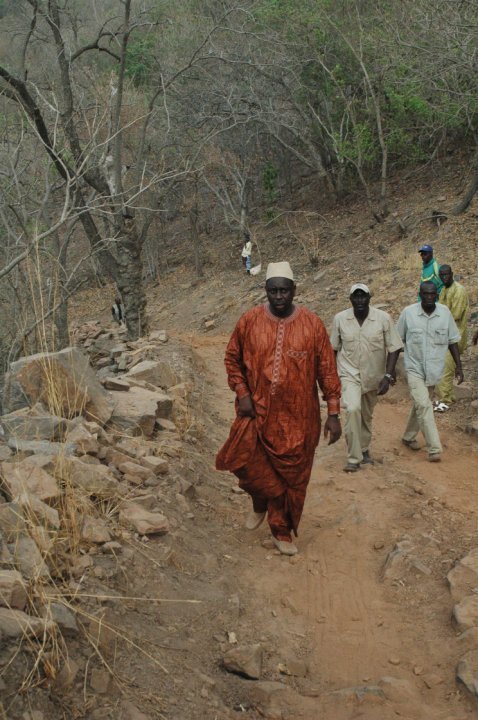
(465, 202)
(193, 220)
(128, 275)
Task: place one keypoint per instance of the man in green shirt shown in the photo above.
(430, 269)
(454, 296)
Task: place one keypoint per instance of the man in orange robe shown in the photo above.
(276, 356)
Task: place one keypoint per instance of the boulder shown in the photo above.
(84, 442)
(465, 612)
(95, 530)
(12, 522)
(115, 384)
(157, 465)
(159, 335)
(165, 425)
(37, 511)
(5, 453)
(467, 671)
(63, 381)
(13, 593)
(96, 480)
(136, 411)
(40, 447)
(33, 424)
(143, 521)
(16, 623)
(25, 476)
(28, 559)
(138, 472)
(244, 660)
(156, 372)
(463, 578)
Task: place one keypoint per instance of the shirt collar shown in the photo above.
(350, 314)
(421, 311)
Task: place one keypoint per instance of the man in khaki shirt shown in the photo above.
(367, 347)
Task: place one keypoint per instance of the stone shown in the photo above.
(40, 447)
(45, 462)
(209, 324)
(95, 530)
(5, 452)
(84, 442)
(12, 522)
(467, 671)
(13, 593)
(33, 424)
(463, 391)
(115, 384)
(100, 680)
(96, 480)
(268, 697)
(63, 617)
(157, 465)
(100, 628)
(117, 351)
(181, 390)
(130, 712)
(472, 427)
(63, 379)
(156, 372)
(463, 578)
(244, 660)
(396, 560)
(132, 469)
(143, 521)
(16, 623)
(136, 411)
(36, 511)
(25, 476)
(160, 335)
(28, 559)
(465, 613)
(33, 715)
(66, 676)
(166, 425)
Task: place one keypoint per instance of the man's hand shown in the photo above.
(384, 386)
(459, 375)
(333, 428)
(246, 407)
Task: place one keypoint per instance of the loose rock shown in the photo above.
(244, 660)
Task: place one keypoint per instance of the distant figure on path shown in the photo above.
(277, 354)
(430, 269)
(117, 311)
(455, 297)
(428, 330)
(367, 347)
(247, 252)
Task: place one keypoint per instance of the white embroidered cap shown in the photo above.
(360, 286)
(279, 269)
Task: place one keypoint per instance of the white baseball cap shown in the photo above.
(360, 286)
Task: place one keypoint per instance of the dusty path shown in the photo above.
(352, 636)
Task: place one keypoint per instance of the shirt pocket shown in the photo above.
(376, 342)
(349, 342)
(440, 337)
(415, 338)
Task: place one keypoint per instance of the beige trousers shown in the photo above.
(445, 390)
(358, 420)
(421, 415)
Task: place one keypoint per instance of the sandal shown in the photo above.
(441, 407)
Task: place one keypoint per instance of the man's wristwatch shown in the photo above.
(388, 376)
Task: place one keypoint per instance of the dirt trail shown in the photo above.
(353, 636)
